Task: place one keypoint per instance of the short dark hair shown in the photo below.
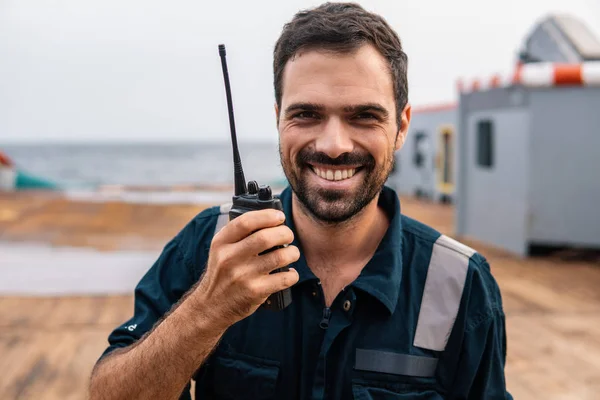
(343, 28)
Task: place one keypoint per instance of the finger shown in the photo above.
(277, 259)
(272, 283)
(249, 222)
(266, 239)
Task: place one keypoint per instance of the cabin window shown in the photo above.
(420, 149)
(485, 144)
(447, 157)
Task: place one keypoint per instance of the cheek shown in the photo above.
(287, 151)
(378, 144)
(291, 143)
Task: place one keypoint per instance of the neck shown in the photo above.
(329, 246)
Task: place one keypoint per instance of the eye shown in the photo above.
(306, 115)
(366, 116)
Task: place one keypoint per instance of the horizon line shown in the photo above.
(130, 141)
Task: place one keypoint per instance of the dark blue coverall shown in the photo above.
(424, 320)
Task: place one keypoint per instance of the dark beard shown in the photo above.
(335, 206)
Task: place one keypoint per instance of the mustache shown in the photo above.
(308, 156)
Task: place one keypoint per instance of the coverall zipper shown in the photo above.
(324, 324)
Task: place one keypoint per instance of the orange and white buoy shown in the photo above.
(539, 75)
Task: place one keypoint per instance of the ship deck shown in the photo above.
(48, 345)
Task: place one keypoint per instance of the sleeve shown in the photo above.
(482, 357)
(161, 287)
(482, 361)
(176, 270)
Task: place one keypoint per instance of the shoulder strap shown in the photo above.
(443, 291)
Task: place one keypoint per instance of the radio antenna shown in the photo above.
(239, 179)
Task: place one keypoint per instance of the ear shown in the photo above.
(404, 124)
(277, 114)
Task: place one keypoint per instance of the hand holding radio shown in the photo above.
(243, 256)
(255, 200)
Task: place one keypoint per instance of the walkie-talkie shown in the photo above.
(253, 197)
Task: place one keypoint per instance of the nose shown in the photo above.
(334, 140)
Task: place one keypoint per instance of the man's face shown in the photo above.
(337, 130)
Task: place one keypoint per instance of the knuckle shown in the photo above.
(289, 235)
(227, 258)
(252, 289)
(285, 257)
(293, 253)
(243, 222)
(286, 280)
(216, 240)
(262, 238)
(277, 258)
(223, 257)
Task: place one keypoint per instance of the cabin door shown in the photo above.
(445, 162)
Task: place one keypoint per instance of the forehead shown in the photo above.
(337, 78)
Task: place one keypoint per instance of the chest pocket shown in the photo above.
(378, 386)
(239, 376)
(362, 392)
(382, 375)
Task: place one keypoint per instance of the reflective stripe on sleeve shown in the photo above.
(442, 293)
(223, 217)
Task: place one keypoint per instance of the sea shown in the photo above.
(88, 165)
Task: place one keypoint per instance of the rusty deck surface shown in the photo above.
(49, 345)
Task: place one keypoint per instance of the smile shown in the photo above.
(334, 174)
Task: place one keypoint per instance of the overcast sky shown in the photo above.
(150, 70)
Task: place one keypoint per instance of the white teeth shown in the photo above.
(334, 175)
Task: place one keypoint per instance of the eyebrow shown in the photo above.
(304, 107)
(357, 108)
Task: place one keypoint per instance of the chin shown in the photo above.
(332, 206)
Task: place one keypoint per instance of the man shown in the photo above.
(383, 306)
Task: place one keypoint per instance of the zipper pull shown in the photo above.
(324, 324)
